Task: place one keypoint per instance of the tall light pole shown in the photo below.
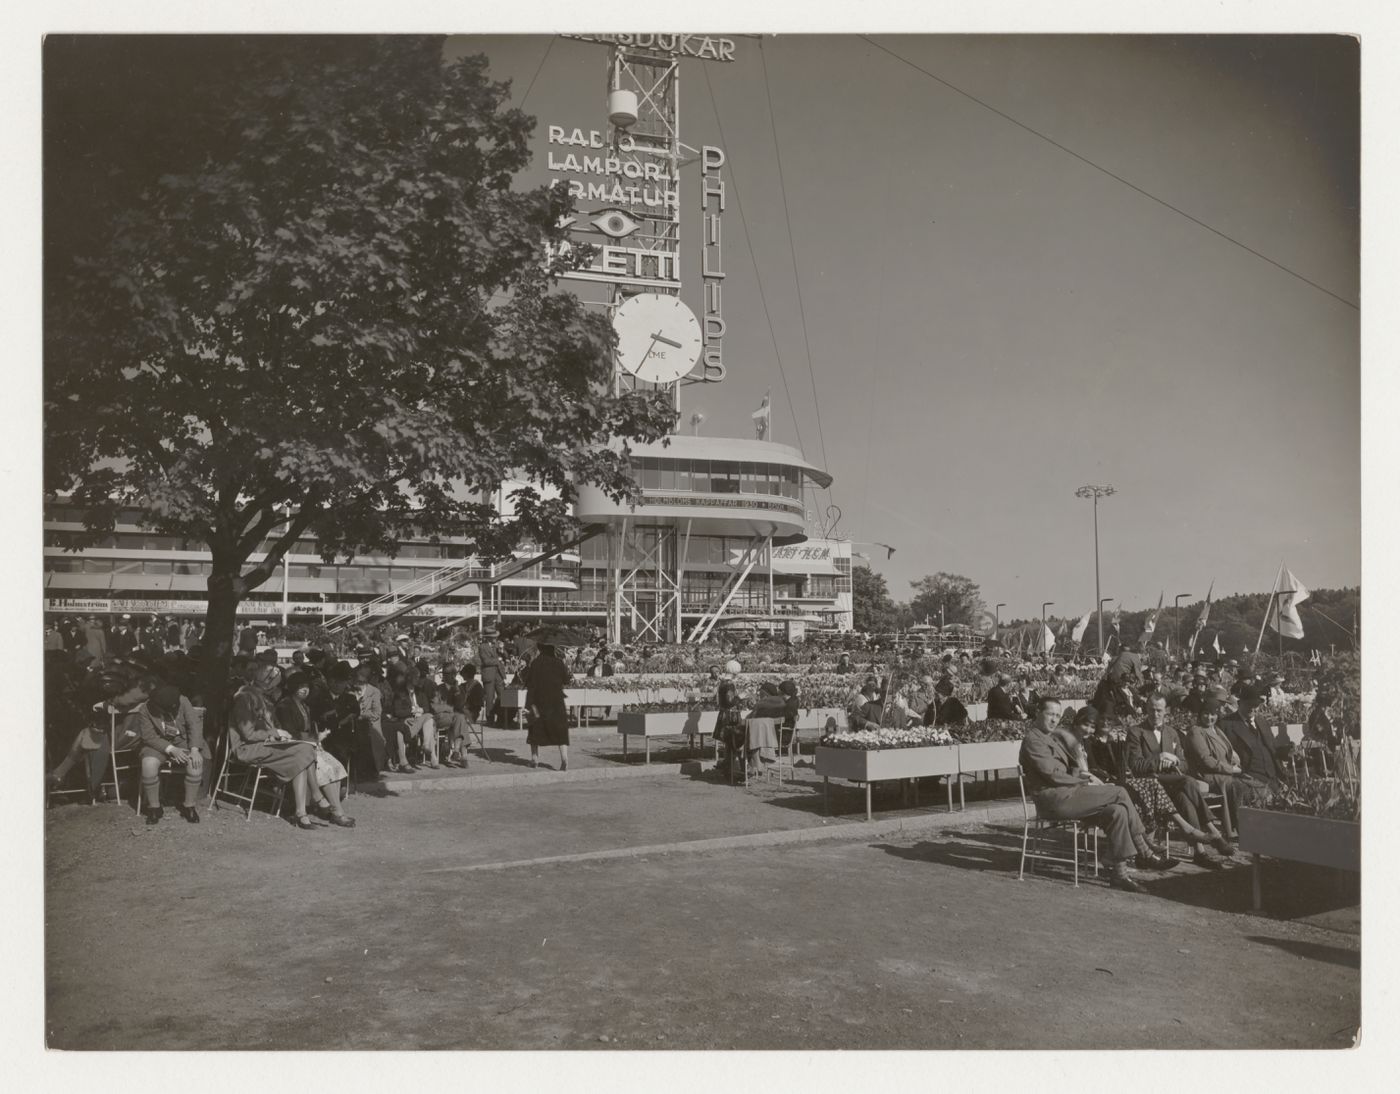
(1096, 492)
(1176, 619)
(999, 608)
(1047, 604)
(1105, 600)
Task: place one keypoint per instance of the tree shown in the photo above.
(289, 288)
(957, 598)
(872, 609)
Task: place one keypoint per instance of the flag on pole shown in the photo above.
(1291, 593)
(1151, 625)
(762, 417)
(1062, 629)
(1079, 628)
(1203, 617)
(1117, 613)
(1045, 641)
(1216, 643)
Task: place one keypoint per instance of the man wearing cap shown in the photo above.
(489, 658)
(122, 641)
(170, 733)
(1063, 792)
(1252, 739)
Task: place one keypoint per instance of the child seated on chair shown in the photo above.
(169, 733)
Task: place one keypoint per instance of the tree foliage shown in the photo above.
(873, 610)
(957, 598)
(290, 288)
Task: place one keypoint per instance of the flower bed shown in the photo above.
(1317, 841)
(867, 765)
(870, 739)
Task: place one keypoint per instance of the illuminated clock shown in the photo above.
(658, 337)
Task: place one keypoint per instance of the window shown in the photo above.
(747, 484)
(155, 567)
(63, 564)
(700, 476)
(377, 573)
(668, 474)
(683, 479)
(651, 473)
(126, 566)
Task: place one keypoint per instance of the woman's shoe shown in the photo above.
(153, 815)
(1223, 846)
(340, 820)
(1205, 860)
(563, 765)
(304, 822)
(189, 812)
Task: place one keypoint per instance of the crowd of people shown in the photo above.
(1158, 749)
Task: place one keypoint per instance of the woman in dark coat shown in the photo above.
(546, 678)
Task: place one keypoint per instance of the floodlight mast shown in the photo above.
(1096, 492)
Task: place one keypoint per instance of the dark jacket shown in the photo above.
(999, 704)
(1145, 752)
(1252, 740)
(1047, 762)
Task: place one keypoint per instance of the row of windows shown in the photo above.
(699, 550)
(146, 541)
(717, 476)
(74, 564)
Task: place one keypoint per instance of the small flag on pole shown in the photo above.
(1045, 642)
(1291, 593)
(1117, 613)
(1151, 625)
(1216, 643)
(1079, 628)
(762, 417)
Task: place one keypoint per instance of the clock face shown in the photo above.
(658, 337)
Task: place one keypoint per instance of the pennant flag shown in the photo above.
(1045, 641)
(1117, 613)
(1079, 628)
(1216, 643)
(1291, 593)
(762, 417)
(1204, 617)
(1151, 625)
(1062, 629)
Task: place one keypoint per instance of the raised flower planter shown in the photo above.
(673, 723)
(873, 765)
(1317, 841)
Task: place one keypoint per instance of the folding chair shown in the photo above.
(118, 761)
(230, 770)
(1084, 838)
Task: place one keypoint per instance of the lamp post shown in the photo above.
(1105, 600)
(1096, 492)
(1046, 651)
(1176, 619)
(999, 608)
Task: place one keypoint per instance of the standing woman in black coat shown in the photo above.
(546, 678)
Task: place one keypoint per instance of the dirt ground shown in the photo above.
(235, 934)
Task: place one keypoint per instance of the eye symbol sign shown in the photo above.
(615, 223)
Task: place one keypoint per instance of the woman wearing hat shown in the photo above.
(546, 679)
(294, 717)
(1209, 757)
(256, 739)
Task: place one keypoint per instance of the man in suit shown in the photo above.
(1252, 739)
(999, 703)
(865, 709)
(1061, 793)
(490, 658)
(1156, 751)
(1210, 757)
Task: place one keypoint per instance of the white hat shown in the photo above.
(733, 667)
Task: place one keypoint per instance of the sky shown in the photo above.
(993, 322)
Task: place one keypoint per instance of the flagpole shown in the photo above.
(1269, 607)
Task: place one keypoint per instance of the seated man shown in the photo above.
(865, 710)
(1252, 739)
(1155, 751)
(442, 703)
(1062, 794)
(171, 734)
(999, 702)
(1209, 757)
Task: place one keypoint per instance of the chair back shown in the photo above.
(1021, 786)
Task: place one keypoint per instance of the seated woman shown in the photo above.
(1209, 757)
(255, 738)
(294, 717)
(404, 719)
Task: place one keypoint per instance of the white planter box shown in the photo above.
(676, 723)
(1316, 841)
(872, 765)
(989, 756)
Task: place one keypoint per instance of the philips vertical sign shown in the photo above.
(712, 263)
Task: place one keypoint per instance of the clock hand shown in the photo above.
(659, 337)
(649, 349)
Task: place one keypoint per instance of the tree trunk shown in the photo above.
(219, 622)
